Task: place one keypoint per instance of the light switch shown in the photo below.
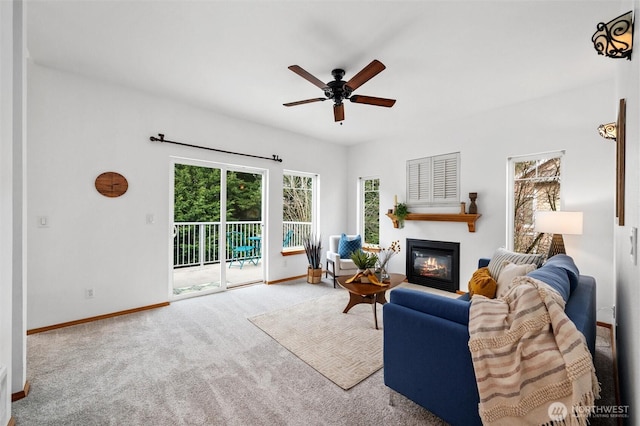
(43, 222)
(633, 239)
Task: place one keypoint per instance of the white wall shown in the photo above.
(79, 128)
(567, 121)
(19, 321)
(627, 274)
(12, 248)
(6, 206)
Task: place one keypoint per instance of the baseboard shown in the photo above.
(96, 318)
(286, 279)
(23, 393)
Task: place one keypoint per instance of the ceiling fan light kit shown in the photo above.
(339, 90)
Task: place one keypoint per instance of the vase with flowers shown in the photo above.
(384, 256)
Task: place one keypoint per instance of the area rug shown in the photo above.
(345, 348)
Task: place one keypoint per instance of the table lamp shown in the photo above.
(558, 223)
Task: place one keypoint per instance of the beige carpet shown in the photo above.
(345, 348)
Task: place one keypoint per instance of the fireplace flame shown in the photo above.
(431, 267)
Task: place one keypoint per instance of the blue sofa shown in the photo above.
(426, 356)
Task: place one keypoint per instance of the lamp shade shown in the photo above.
(551, 222)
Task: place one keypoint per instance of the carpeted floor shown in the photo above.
(345, 348)
(199, 361)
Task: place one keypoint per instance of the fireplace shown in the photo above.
(433, 264)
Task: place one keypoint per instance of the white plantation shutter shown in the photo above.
(418, 181)
(434, 181)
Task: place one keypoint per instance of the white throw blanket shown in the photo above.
(531, 364)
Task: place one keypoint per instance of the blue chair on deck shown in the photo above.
(240, 250)
(286, 241)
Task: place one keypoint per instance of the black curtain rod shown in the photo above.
(161, 138)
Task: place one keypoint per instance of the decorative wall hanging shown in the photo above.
(161, 138)
(615, 38)
(111, 184)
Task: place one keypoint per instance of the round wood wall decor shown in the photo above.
(111, 184)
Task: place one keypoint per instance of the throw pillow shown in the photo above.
(566, 262)
(502, 255)
(482, 283)
(348, 245)
(556, 277)
(508, 273)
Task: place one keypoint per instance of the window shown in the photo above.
(534, 185)
(369, 223)
(298, 207)
(434, 181)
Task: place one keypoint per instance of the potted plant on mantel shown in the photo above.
(313, 248)
(401, 213)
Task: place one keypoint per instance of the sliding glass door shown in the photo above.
(217, 228)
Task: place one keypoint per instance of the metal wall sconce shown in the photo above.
(615, 38)
(616, 132)
(608, 131)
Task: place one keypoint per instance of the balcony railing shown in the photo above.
(196, 243)
(294, 232)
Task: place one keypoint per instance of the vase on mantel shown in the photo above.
(473, 208)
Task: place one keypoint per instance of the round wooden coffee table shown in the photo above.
(369, 293)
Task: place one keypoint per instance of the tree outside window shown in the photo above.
(536, 187)
(297, 207)
(370, 208)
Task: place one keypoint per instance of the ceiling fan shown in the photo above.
(338, 90)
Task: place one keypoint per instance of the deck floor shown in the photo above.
(197, 278)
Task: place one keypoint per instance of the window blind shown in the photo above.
(434, 181)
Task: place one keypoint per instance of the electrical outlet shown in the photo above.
(89, 293)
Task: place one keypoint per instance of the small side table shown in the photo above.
(369, 293)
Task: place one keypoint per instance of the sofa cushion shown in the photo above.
(566, 262)
(501, 255)
(508, 273)
(348, 245)
(556, 277)
(482, 283)
(347, 264)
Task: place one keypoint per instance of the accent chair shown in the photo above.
(336, 265)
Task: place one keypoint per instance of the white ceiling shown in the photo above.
(444, 59)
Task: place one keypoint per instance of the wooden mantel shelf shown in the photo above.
(469, 219)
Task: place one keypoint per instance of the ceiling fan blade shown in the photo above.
(307, 76)
(338, 112)
(366, 74)
(306, 101)
(370, 100)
